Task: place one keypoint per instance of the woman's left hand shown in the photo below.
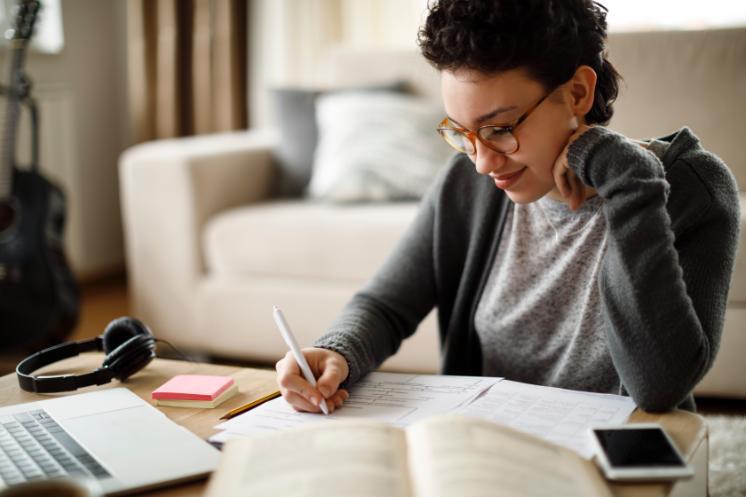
(569, 185)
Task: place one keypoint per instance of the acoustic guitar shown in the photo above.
(39, 298)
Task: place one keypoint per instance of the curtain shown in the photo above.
(187, 67)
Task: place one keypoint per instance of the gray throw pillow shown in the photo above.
(376, 147)
(296, 121)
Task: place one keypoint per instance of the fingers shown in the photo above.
(578, 193)
(328, 366)
(562, 181)
(568, 184)
(578, 196)
(562, 174)
(335, 401)
(298, 385)
(290, 381)
(575, 196)
(330, 378)
(300, 403)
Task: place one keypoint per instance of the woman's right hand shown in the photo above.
(329, 368)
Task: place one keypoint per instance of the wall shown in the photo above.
(81, 93)
(289, 40)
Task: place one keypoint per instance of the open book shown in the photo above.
(439, 456)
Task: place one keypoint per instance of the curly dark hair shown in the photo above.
(549, 38)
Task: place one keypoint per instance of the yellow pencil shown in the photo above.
(250, 405)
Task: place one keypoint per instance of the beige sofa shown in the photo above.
(209, 252)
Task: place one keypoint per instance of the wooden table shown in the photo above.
(688, 430)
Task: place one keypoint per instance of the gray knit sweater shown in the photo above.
(539, 319)
(672, 234)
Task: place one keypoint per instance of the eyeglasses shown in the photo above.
(498, 138)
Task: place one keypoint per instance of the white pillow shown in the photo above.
(375, 146)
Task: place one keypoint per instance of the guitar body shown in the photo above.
(39, 298)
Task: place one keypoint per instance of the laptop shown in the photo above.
(112, 437)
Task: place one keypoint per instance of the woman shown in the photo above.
(557, 251)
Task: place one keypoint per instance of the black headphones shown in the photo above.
(129, 347)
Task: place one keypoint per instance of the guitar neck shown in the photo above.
(12, 110)
(6, 170)
(17, 89)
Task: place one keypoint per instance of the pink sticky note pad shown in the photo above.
(193, 387)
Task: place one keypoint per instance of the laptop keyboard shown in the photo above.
(33, 446)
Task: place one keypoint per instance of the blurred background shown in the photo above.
(111, 74)
(92, 64)
(162, 101)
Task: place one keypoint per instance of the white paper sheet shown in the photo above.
(560, 416)
(554, 414)
(396, 398)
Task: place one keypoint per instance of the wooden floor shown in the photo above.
(105, 299)
(101, 302)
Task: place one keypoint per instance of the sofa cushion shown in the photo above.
(296, 120)
(292, 238)
(376, 147)
(305, 239)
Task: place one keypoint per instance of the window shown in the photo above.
(48, 36)
(645, 15)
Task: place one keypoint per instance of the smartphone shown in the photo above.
(638, 452)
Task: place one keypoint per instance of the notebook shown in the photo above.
(111, 436)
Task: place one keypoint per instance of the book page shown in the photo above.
(360, 458)
(470, 457)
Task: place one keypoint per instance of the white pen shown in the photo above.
(287, 335)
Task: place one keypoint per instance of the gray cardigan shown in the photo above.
(673, 229)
